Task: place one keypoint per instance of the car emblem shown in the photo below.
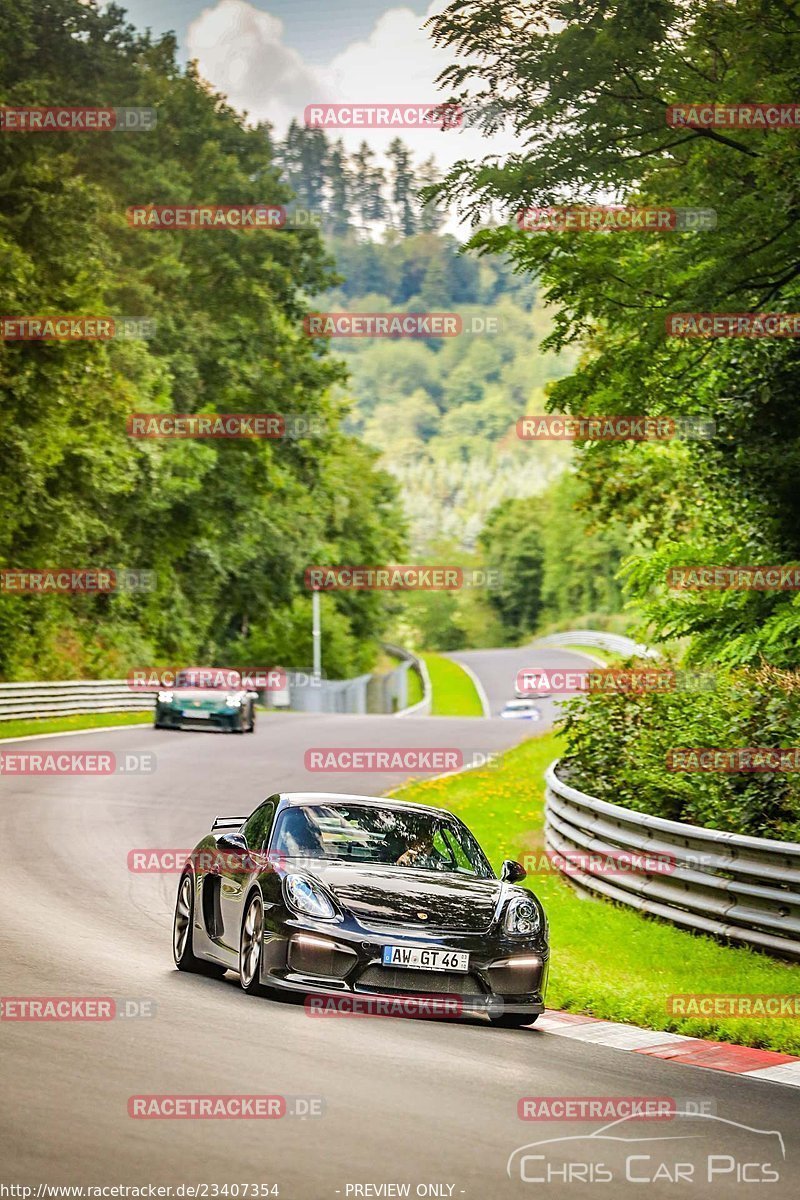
(423, 916)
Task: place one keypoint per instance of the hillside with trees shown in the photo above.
(227, 527)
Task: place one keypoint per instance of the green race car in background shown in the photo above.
(207, 699)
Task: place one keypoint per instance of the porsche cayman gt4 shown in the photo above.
(329, 894)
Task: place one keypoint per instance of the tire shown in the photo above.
(514, 1020)
(251, 944)
(182, 942)
(252, 726)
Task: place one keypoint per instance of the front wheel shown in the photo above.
(514, 1020)
(182, 947)
(250, 942)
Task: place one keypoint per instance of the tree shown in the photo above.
(369, 182)
(587, 88)
(404, 209)
(513, 548)
(227, 527)
(339, 185)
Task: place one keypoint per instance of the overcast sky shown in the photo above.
(273, 57)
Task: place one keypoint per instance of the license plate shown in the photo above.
(198, 716)
(422, 958)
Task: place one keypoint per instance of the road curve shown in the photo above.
(405, 1101)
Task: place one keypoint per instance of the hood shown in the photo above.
(379, 895)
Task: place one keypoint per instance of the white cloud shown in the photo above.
(241, 52)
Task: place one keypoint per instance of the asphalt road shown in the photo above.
(497, 672)
(423, 1103)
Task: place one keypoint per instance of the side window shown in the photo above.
(462, 862)
(257, 826)
(442, 848)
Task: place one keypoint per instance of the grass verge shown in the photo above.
(414, 687)
(454, 693)
(42, 726)
(607, 960)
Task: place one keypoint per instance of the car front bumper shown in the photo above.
(176, 718)
(503, 975)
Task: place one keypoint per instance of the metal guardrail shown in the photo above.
(66, 697)
(378, 693)
(423, 707)
(616, 643)
(744, 889)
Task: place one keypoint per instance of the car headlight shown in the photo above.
(307, 898)
(165, 697)
(233, 702)
(522, 916)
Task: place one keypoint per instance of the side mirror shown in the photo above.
(234, 842)
(252, 695)
(511, 871)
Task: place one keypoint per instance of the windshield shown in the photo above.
(396, 837)
(209, 677)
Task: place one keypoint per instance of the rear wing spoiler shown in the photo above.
(226, 822)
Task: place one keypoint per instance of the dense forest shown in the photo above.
(730, 499)
(227, 527)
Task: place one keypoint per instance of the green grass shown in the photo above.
(454, 693)
(414, 687)
(45, 725)
(414, 680)
(607, 960)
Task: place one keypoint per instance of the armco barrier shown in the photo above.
(408, 660)
(65, 698)
(616, 643)
(745, 889)
(386, 693)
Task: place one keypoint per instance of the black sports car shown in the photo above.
(327, 894)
